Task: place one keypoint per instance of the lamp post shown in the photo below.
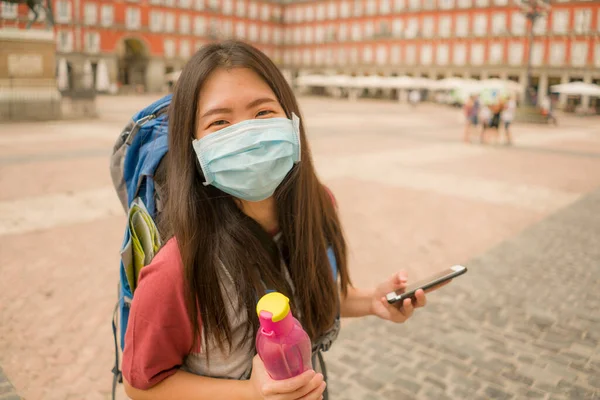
(532, 10)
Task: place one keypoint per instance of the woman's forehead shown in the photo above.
(234, 85)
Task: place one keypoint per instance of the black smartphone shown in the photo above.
(434, 280)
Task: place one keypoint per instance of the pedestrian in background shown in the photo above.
(508, 115)
(471, 110)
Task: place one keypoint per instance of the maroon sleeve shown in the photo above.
(333, 200)
(159, 334)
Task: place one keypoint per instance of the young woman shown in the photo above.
(246, 213)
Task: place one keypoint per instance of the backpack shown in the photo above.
(136, 162)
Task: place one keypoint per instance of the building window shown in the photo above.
(92, 42)
(65, 41)
(185, 49)
(156, 2)
(356, 31)
(354, 55)
(480, 28)
(465, 3)
(358, 8)
(381, 56)
(310, 13)
(227, 7)
(462, 25)
(410, 54)
(597, 54)
(319, 57)
(345, 10)
(446, 4)
(278, 36)
(583, 20)
(412, 28)
(320, 34)
(342, 56)
(107, 14)
(537, 54)
(397, 27)
(501, 2)
(169, 22)
(170, 3)
(459, 54)
(253, 33)
(184, 24)
(414, 4)
(265, 12)
(321, 12)
(227, 27)
(482, 3)
(343, 32)
(496, 53)
(371, 7)
(444, 26)
(517, 24)
(428, 27)
(199, 5)
(156, 21)
(169, 48)
(442, 54)
(287, 57)
(306, 57)
(369, 30)
(557, 54)
(367, 55)
(332, 10)
(132, 18)
(63, 11)
(308, 34)
(213, 5)
(240, 30)
(241, 8)
(289, 36)
(399, 5)
(395, 54)
(499, 23)
(9, 11)
(297, 57)
(253, 11)
(515, 53)
(540, 26)
(187, 4)
(477, 53)
(560, 21)
(90, 14)
(579, 52)
(385, 7)
(426, 54)
(265, 34)
(200, 26)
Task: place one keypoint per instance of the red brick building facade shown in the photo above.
(141, 40)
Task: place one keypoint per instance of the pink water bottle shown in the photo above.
(282, 344)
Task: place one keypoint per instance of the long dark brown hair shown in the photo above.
(211, 229)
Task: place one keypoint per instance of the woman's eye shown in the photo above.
(264, 112)
(218, 123)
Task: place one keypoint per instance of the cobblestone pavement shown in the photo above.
(523, 323)
(411, 195)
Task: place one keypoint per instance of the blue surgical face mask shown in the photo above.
(250, 159)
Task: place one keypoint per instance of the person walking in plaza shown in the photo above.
(508, 115)
(471, 110)
(485, 117)
(414, 97)
(246, 213)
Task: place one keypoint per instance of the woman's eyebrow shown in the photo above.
(260, 101)
(217, 111)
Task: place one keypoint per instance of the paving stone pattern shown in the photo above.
(523, 323)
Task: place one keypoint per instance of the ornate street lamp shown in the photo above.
(532, 10)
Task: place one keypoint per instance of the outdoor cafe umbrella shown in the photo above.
(577, 89)
(62, 80)
(102, 79)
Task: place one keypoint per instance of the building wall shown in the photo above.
(434, 38)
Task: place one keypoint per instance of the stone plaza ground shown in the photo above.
(525, 219)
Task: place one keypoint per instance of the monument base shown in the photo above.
(28, 89)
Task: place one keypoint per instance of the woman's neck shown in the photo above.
(264, 212)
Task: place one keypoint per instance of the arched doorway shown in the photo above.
(132, 64)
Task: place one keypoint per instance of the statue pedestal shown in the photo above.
(28, 88)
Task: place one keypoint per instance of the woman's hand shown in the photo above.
(307, 386)
(395, 312)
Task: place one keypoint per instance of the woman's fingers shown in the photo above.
(420, 299)
(307, 390)
(316, 394)
(287, 386)
(407, 308)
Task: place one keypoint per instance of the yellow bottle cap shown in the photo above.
(276, 304)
